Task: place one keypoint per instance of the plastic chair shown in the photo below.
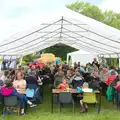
(11, 102)
(65, 98)
(36, 98)
(91, 98)
(56, 83)
(1, 99)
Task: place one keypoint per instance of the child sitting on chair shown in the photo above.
(63, 85)
(85, 88)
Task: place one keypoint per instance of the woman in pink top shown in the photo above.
(20, 84)
(111, 78)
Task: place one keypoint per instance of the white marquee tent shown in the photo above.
(67, 27)
(81, 56)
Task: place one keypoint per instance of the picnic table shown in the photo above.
(72, 91)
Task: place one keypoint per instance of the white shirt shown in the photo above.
(87, 90)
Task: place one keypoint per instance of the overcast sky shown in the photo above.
(18, 8)
(16, 15)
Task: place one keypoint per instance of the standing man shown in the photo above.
(95, 62)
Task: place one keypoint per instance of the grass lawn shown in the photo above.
(42, 112)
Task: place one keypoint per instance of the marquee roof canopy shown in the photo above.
(83, 52)
(66, 27)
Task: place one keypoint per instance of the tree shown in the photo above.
(112, 19)
(87, 9)
(60, 50)
(108, 17)
(29, 58)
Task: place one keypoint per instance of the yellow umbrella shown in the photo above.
(47, 55)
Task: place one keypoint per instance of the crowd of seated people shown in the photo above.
(113, 86)
(93, 75)
(97, 77)
(9, 90)
(89, 76)
(16, 82)
(73, 77)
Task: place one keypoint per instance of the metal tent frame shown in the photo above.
(72, 29)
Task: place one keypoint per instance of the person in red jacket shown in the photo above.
(111, 78)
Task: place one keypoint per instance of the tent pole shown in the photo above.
(67, 58)
(103, 59)
(1, 63)
(21, 60)
(61, 27)
(10, 61)
(118, 61)
(110, 60)
(98, 58)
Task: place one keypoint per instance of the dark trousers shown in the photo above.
(23, 100)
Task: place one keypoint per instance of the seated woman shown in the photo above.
(59, 76)
(33, 83)
(111, 78)
(85, 88)
(32, 79)
(63, 85)
(114, 84)
(78, 80)
(20, 84)
(12, 74)
(95, 73)
(112, 68)
(4, 76)
(69, 77)
(82, 69)
(104, 74)
(9, 90)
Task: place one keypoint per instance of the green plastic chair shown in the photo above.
(91, 98)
